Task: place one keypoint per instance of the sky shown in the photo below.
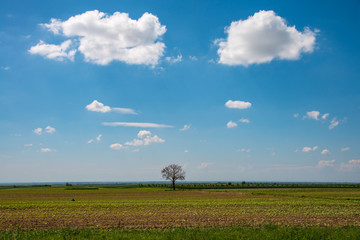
(229, 90)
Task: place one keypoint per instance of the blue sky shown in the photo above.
(230, 90)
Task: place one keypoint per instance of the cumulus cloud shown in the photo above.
(105, 38)
(262, 38)
(345, 149)
(50, 130)
(313, 115)
(136, 124)
(231, 124)
(38, 131)
(244, 120)
(323, 163)
(186, 127)
(350, 165)
(117, 146)
(144, 138)
(174, 59)
(52, 51)
(309, 149)
(204, 165)
(237, 104)
(97, 106)
(325, 152)
(45, 150)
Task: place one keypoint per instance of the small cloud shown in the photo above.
(237, 104)
(323, 163)
(325, 152)
(186, 151)
(38, 131)
(313, 115)
(91, 141)
(50, 130)
(174, 59)
(98, 138)
(231, 124)
(350, 165)
(55, 52)
(117, 146)
(45, 150)
(144, 138)
(97, 106)
(186, 127)
(324, 116)
(204, 165)
(244, 120)
(344, 149)
(28, 145)
(136, 124)
(296, 115)
(333, 123)
(309, 149)
(6, 68)
(136, 150)
(193, 58)
(244, 150)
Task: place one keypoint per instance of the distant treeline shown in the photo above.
(231, 185)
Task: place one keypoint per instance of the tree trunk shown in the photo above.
(173, 185)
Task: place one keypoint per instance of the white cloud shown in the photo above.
(97, 106)
(193, 58)
(174, 59)
(117, 146)
(105, 38)
(50, 130)
(91, 141)
(333, 123)
(231, 124)
(244, 120)
(296, 115)
(244, 150)
(136, 124)
(345, 149)
(205, 164)
(309, 149)
(28, 145)
(350, 165)
(262, 38)
(186, 151)
(44, 150)
(237, 104)
(324, 116)
(313, 115)
(323, 163)
(6, 68)
(186, 127)
(55, 52)
(144, 138)
(98, 138)
(325, 152)
(38, 131)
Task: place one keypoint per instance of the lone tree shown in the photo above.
(173, 172)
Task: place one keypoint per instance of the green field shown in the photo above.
(126, 212)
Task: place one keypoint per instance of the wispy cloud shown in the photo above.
(136, 124)
(45, 150)
(174, 59)
(324, 163)
(231, 124)
(205, 165)
(185, 128)
(350, 165)
(244, 120)
(310, 149)
(344, 149)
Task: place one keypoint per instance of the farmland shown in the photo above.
(51, 208)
